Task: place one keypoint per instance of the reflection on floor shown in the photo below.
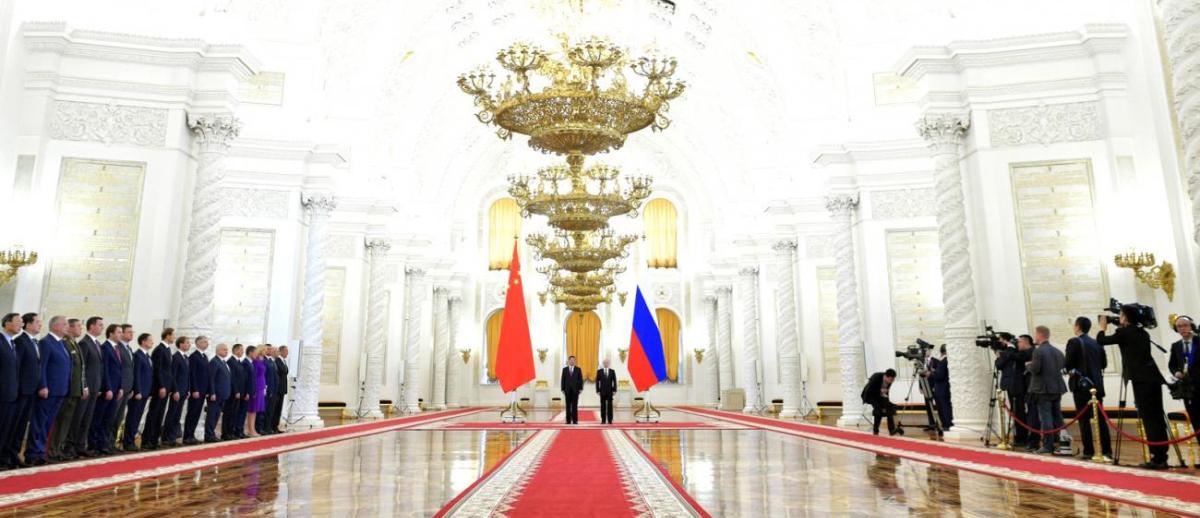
(729, 472)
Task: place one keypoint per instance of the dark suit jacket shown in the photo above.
(78, 381)
(1137, 363)
(113, 368)
(219, 377)
(56, 366)
(143, 373)
(93, 364)
(606, 386)
(572, 383)
(872, 394)
(247, 376)
(1011, 364)
(182, 374)
(127, 366)
(9, 366)
(1087, 357)
(272, 377)
(237, 378)
(939, 373)
(164, 377)
(282, 369)
(1047, 368)
(198, 372)
(1179, 362)
(30, 364)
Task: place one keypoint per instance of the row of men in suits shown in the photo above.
(233, 390)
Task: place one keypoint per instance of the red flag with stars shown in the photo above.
(514, 355)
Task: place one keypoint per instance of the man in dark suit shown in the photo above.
(77, 395)
(1011, 364)
(606, 386)
(1085, 363)
(237, 383)
(247, 390)
(124, 347)
(876, 394)
(101, 437)
(198, 389)
(143, 389)
(1047, 385)
(261, 423)
(282, 371)
(220, 387)
(93, 371)
(10, 366)
(939, 383)
(160, 391)
(181, 372)
(1138, 366)
(29, 378)
(572, 384)
(1185, 367)
(54, 386)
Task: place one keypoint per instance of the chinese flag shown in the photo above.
(514, 357)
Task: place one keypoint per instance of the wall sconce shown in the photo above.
(622, 353)
(542, 297)
(542, 355)
(466, 355)
(699, 355)
(621, 297)
(1156, 277)
(15, 258)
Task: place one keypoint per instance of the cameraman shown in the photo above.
(1139, 367)
(876, 395)
(939, 381)
(1086, 362)
(1185, 367)
(1011, 363)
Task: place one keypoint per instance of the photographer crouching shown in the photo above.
(876, 395)
(1138, 367)
(1010, 361)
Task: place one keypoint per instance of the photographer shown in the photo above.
(1047, 386)
(939, 379)
(1011, 363)
(1086, 362)
(876, 395)
(1185, 369)
(1140, 369)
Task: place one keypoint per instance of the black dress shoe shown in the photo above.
(1153, 465)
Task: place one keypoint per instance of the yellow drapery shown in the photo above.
(583, 342)
(504, 224)
(666, 448)
(493, 342)
(668, 328)
(660, 219)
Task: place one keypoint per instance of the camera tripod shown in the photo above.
(926, 393)
(995, 413)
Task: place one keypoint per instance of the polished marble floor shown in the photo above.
(744, 473)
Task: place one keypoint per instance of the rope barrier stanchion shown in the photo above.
(1040, 431)
(1097, 457)
(1127, 435)
(1142, 435)
(1004, 443)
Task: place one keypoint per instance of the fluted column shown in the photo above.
(441, 343)
(725, 336)
(317, 207)
(213, 134)
(713, 393)
(787, 336)
(969, 372)
(377, 334)
(851, 356)
(748, 295)
(1181, 30)
(414, 300)
(453, 361)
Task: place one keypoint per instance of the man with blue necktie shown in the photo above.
(263, 422)
(29, 380)
(1185, 367)
(220, 387)
(110, 394)
(9, 384)
(143, 382)
(198, 376)
(124, 347)
(54, 386)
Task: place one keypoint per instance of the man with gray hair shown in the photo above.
(1047, 385)
(53, 387)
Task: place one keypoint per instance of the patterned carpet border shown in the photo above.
(492, 493)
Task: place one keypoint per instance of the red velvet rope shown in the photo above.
(1141, 440)
(1039, 431)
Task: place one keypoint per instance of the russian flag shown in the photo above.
(647, 364)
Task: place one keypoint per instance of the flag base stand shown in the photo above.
(514, 413)
(647, 413)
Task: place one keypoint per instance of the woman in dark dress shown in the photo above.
(258, 398)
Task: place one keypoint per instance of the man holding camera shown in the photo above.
(1140, 369)
(1010, 361)
(1047, 386)
(1086, 362)
(939, 382)
(1186, 369)
(876, 395)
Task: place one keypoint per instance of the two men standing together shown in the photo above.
(572, 384)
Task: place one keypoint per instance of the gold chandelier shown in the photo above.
(577, 102)
(581, 252)
(576, 199)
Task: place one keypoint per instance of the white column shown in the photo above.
(713, 354)
(725, 336)
(377, 335)
(970, 381)
(441, 344)
(414, 300)
(453, 360)
(748, 295)
(1181, 30)
(213, 135)
(318, 207)
(851, 356)
(787, 336)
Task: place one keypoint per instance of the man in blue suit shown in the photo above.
(9, 385)
(29, 379)
(143, 381)
(181, 371)
(219, 388)
(262, 423)
(233, 405)
(198, 375)
(110, 393)
(160, 391)
(124, 347)
(55, 383)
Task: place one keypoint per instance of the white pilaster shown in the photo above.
(414, 300)
(787, 336)
(713, 389)
(748, 295)
(1181, 30)
(725, 336)
(851, 355)
(304, 411)
(213, 135)
(377, 335)
(441, 344)
(453, 360)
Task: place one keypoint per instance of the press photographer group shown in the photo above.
(1031, 375)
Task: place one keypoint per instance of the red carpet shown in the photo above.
(24, 486)
(681, 425)
(1106, 481)
(577, 476)
(588, 416)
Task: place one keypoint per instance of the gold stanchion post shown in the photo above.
(1142, 434)
(1097, 456)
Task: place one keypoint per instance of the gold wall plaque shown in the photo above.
(331, 318)
(242, 295)
(827, 309)
(915, 280)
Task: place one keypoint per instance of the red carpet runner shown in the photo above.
(1164, 491)
(28, 485)
(584, 472)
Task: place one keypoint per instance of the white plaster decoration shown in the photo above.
(414, 300)
(454, 364)
(725, 336)
(343, 246)
(377, 335)
(851, 355)
(748, 295)
(818, 246)
(663, 294)
(902, 203)
(304, 412)
(213, 135)
(1181, 30)
(713, 392)
(255, 203)
(441, 344)
(108, 123)
(1045, 123)
(968, 370)
(787, 336)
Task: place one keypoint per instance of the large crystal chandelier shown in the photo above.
(581, 252)
(576, 199)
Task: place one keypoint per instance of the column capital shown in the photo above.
(710, 299)
(441, 290)
(943, 129)
(784, 246)
(749, 271)
(841, 203)
(318, 202)
(413, 271)
(723, 289)
(378, 246)
(214, 129)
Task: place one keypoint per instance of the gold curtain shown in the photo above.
(504, 224)
(668, 327)
(493, 342)
(583, 342)
(659, 217)
(667, 449)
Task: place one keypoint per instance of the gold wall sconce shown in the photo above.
(699, 355)
(15, 259)
(1161, 276)
(623, 353)
(466, 355)
(542, 355)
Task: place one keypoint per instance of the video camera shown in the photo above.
(915, 352)
(1140, 315)
(990, 339)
